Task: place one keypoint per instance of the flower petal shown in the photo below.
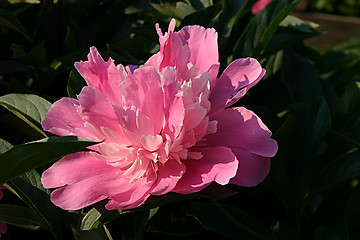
(234, 82)
(203, 46)
(102, 75)
(125, 193)
(252, 168)
(218, 164)
(241, 128)
(3, 228)
(97, 110)
(74, 168)
(168, 176)
(63, 119)
(76, 196)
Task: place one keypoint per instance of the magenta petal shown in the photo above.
(218, 164)
(240, 75)
(258, 6)
(203, 46)
(241, 128)
(74, 168)
(252, 168)
(3, 228)
(63, 119)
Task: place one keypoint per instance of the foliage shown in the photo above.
(309, 100)
(342, 7)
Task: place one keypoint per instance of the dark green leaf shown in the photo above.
(339, 171)
(323, 233)
(202, 17)
(261, 28)
(7, 19)
(4, 146)
(75, 83)
(25, 157)
(172, 220)
(19, 216)
(291, 31)
(30, 108)
(302, 82)
(168, 10)
(228, 222)
(29, 189)
(9, 66)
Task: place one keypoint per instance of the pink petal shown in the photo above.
(203, 46)
(63, 119)
(102, 75)
(168, 176)
(73, 169)
(218, 164)
(193, 116)
(77, 196)
(241, 128)
(151, 143)
(3, 228)
(258, 6)
(252, 168)
(1, 195)
(97, 109)
(238, 77)
(124, 193)
(153, 107)
(173, 52)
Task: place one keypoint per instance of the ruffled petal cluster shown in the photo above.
(163, 126)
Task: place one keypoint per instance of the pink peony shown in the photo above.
(258, 6)
(163, 126)
(3, 227)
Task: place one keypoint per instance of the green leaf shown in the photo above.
(9, 66)
(66, 62)
(339, 171)
(75, 83)
(201, 17)
(19, 216)
(347, 111)
(4, 146)
(172, 220)
(292, 30)
(323, 233)
(168, 10)
(89, 219)
(25, 157)
(262, 27)
(7, 19)
(302, 82)
(29, 189)
(227, 221)
(30, 108)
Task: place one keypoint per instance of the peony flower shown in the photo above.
(3, 226)
(164, 126)
(258, 6)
